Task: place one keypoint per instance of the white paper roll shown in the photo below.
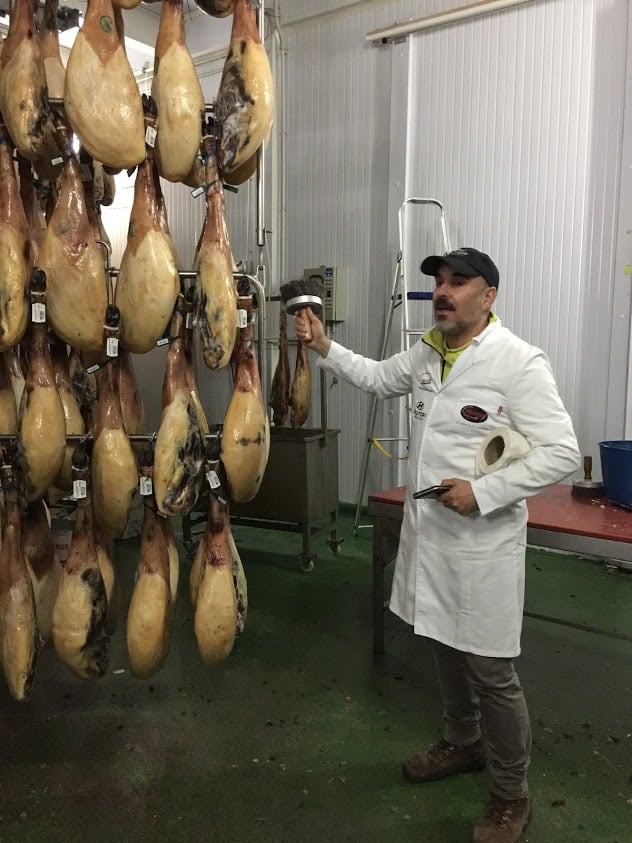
(499, 448)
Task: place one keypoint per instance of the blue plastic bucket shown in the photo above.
(616, 470)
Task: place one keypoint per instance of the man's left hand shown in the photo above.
(459, 496)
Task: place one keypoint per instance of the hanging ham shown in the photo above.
(105, 561)
(148, 282)
(51, 55)
(80, 612)
(101, 96)
(245, 97)
(45, 571)
(246, 430)
(114, 472)
(8, 404)
(180, 444)
(151, 609)
(23, 98)
(42, 425)
(217, 297)
(74, 265)
(15, 251)
(48, 164)
(215, 622)
(188, 307)
(132, 406)
(301, 391)
(84, 388)
(178, 96)
(18, 625)
(280, 389)
(217, 8)
(75, 424)
(32, 204)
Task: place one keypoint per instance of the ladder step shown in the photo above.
(419, 296)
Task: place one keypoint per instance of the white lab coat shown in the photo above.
(460, 579)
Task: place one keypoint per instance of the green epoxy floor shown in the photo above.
(300, 734)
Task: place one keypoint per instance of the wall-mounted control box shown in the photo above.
(335, 283)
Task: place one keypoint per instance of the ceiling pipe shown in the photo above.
(483, 7)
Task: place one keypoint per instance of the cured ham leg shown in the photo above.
(18, 626)
(23, 97)
(215, 621)
(114, 472)
(42, 424)
(74, 265)
(301, 392)
(217, 8)
(132, 406)
(101, 96)
(150, 610)
(217, 296)
(80, 611)
(54, 73)
(148, 283)
(246, 430)
(15, 250)
(189, 356)
(180, 448)
(280, 389)
(44, 569)
(8, 404)
(246, 96)
(75, 424)
(178, 95)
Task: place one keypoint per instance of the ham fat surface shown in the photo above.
(114, 472)
(18, 625)
(75, 424)
(151, 606)
(215, 622)
(42, 424)
(74, 266)
(101, 96)
(80, 612)
(8, 404)
(245, 97)
(179, 445)
(44, 569)
(148, 283)
(15, 250)
(178, 95)
(216, 292)
(23, 97)
(246, 430)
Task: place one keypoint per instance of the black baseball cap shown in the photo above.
(467, 261)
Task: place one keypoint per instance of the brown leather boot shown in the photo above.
(503, 822)
(444, 759)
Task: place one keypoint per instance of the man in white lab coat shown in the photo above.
(459, 574)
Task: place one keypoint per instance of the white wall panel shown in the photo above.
(523, 145)
(516, 125)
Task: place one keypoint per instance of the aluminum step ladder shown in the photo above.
(400, 295)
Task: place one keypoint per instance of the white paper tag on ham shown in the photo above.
(112, 347)
(242, 318)
(150, 136)
(213, 480)
(146, 486)
(38, 312)
(79, 489)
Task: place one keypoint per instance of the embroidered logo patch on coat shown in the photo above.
(472, 413)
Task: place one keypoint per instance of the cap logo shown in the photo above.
(475, 414)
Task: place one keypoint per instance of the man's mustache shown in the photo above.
(442, 304)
